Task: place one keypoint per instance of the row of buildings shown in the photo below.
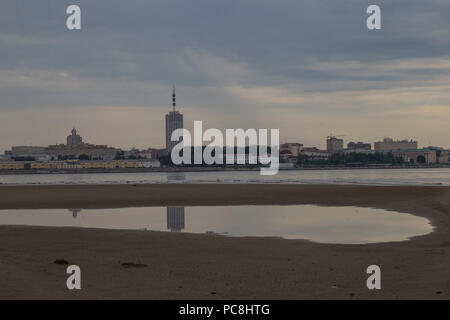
(76, 153)
(407, 150)
(335, 144)
(74, 148)
(78, 164)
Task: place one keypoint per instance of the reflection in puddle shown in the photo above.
(345, 225)
(176, 177)
(75, 212)
(175, 218)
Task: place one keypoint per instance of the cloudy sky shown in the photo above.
(307, 67)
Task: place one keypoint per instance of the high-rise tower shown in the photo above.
(174, 99)
(174, 120)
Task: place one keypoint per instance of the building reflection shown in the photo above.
(175, 176)
(175, 218)
(75, 212)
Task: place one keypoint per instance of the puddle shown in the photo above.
(345, 225)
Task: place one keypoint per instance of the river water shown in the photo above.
(432, 176)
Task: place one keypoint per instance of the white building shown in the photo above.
(314, 154)
(293, 148)
(416, 155)
(334, 144)
(390, 144)
(444, 157)
(149, 164)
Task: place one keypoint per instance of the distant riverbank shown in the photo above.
(360, 176)
(213, 169)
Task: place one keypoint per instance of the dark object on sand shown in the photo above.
(61, 261)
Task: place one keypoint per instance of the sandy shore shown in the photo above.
(188, 266)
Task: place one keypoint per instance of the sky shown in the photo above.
(306, 67)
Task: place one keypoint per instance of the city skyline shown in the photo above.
(174, 120)
(305, 68)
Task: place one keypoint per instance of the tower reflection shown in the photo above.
(175, 176)
(75, 212)
(175, 218)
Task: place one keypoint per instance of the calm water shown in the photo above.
(434, 176)
(346, 225)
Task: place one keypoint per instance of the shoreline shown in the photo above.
(193, 266)
(212, 169)
(103, 196)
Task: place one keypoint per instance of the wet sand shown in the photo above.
(189, 266)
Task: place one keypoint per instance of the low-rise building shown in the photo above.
(74, 148)
(78, 164)
(93, 151)
(314, 153)
(293, 148)
(141, 154)
(390, 144)
(22, 151)
(37, 153)
(364, 151)
(286, 156)
(416, 155)
(5, 157)
(359, 146)
(444, 157)
(12, 165)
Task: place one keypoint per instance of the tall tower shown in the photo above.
(174, 99)
(74, 139)
(174, 120)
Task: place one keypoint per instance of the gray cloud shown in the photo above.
(129, 53)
